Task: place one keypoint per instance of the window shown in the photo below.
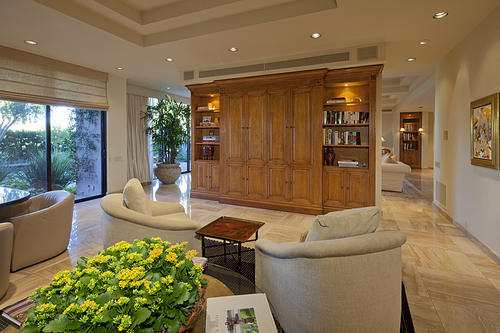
(67, 141)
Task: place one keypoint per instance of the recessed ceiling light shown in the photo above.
(346, 85)
(316, 35)
(169, 59)
(168, 88)
(31, 42)
(119, 68)
(411, 59)
(440, 15)
(233, 49)
(423, 41)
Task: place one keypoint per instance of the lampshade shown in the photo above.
(383, 139)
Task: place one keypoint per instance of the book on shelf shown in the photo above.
(332, 137)
(240, 313)
(334, 100)
(344, 117)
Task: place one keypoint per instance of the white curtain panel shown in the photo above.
(137, 140)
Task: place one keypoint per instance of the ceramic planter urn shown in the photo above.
(168, 173)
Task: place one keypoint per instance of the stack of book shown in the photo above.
(211, 139)
(335, 100)
(351, 162)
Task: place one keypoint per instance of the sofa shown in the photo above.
(6, 239)
(393, 173)
(131, 215)
(345, 276)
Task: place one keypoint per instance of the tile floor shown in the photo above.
(451, 285)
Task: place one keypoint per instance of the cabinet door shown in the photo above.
(214, 172)
(235, 179)
(234, 129)
(300, 127)
(276, 123)
(301, 187)
(356, 185)
(333, 187)
(200, 179)
(254, 132)
(277, 182)
(255, 181)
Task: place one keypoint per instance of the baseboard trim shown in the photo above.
(473, 238)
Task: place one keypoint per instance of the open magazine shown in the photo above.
(239, 314)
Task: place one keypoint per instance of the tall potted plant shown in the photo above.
(169, 127)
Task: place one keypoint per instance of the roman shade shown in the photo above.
(29, 78)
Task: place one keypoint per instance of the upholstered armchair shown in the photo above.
(331, 284)
(6, 238)
(42, 227)
(131, 215)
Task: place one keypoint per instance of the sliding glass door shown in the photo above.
(67, 141)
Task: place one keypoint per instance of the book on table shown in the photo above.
(241, 313)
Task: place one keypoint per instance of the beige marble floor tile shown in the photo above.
(460, 319)
(466, 245)
(424, 315)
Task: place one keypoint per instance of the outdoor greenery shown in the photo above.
(145, 287)
(169, 127)
(75, 149)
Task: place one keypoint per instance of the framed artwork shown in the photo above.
(207, 119)
(484, 132)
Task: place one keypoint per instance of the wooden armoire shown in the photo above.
(260, 141)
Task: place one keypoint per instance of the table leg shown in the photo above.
(203, 246)
(225, 259)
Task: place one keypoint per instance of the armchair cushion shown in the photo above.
(346, 223)
(135, 198)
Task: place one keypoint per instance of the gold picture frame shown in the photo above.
(484, 143)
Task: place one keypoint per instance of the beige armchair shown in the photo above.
(6, 238)
(131, 215)
(350, 284)
(42, 227)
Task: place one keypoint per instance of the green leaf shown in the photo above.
(140, 315)
(85, 280)
(173, 325)
(184, 296)
(33, 328)
(105, 316)
(57, 325)
(113, 282)
(99, 329)
(158, 324)
(104, 298)
(73, 325)
(145, 330)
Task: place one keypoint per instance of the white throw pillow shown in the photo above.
(347, 223)
(135, 198)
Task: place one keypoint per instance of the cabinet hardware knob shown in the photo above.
(348, 188)
(341, 187)
(242, 178)
(247, 178)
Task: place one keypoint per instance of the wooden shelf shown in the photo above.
(206, 127)
(346, 103)
(207, 110)
(207, 144)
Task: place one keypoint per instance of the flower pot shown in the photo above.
(168, 173)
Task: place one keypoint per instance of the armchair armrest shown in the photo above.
(164, 208)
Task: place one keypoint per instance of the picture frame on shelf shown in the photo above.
(484, 145)
(207, 119)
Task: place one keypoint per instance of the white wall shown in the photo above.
(469, 72)
(141, 91)
(117, 133)
(388, 130)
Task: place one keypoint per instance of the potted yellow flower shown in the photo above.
(145, 287)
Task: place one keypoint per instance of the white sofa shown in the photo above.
(393, 174)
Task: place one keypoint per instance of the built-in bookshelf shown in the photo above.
(410, 139)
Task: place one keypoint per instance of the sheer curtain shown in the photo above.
(137, 140)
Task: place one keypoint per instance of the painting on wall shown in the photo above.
(484, 131)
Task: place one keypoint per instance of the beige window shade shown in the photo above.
(25, 82)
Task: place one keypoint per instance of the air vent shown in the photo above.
(324, 59)
(188, 75)
(368, 53)
(386, 110)
(441, 193)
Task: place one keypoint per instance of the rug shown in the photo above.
(248, 271)
(409, 191)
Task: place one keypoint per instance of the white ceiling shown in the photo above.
(139, 35)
